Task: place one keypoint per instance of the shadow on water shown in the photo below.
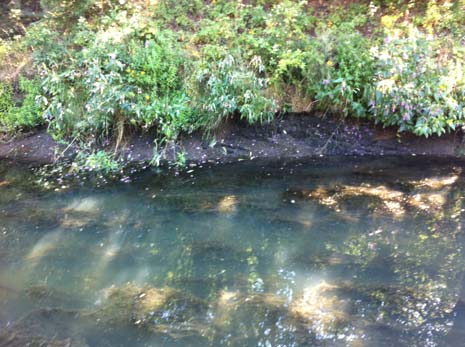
(336, 252)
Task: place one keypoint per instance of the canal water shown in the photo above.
(324, 252)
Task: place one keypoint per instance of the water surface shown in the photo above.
(340, 252)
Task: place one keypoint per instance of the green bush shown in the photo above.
(273, 33)
(228, 87)
(6, 101)
(443, 16)
(76, 6)
(134, 81)
(177, 66)
(415, 88)
(48, 45)
(27, 114)
(98, 161)
(66, 12)
(181, 13)
(349, 73)
(156, 70)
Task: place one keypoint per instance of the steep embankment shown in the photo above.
(95, 72)
(290, 137)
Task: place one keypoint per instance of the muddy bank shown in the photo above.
(289, 137)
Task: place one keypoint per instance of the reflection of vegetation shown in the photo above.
(408, 252)
(254, 268)
(423, 195)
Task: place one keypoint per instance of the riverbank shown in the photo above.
(290, 137)
(97, 71)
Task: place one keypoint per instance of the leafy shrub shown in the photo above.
(349, 73)
(229, 87)
(443, 16)
(29, 114)
(334, 69)
(25, 116)
(66, 12)
(156, 72)
(176, 66)
(272, 34)
(6, 101)
(415, 88)
(47, 44)
(348, 17)
(99, 161)
(179, 12)
(66, 5)
(110, 81)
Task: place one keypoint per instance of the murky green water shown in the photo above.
(343, 252)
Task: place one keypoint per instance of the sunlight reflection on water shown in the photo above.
(353, 252)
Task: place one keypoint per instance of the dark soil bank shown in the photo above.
(290, 137)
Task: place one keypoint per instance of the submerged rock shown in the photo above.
(426, 195)
(258, 319)
(88, 205)
(320, 310)
(81, 213)
(28, 211)
(342, 314)
(46, 296)
(116, 305)
(13, 338)
(349, 312)
(43, 327)
(228, 204)
(233, 303)
(165, 311)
